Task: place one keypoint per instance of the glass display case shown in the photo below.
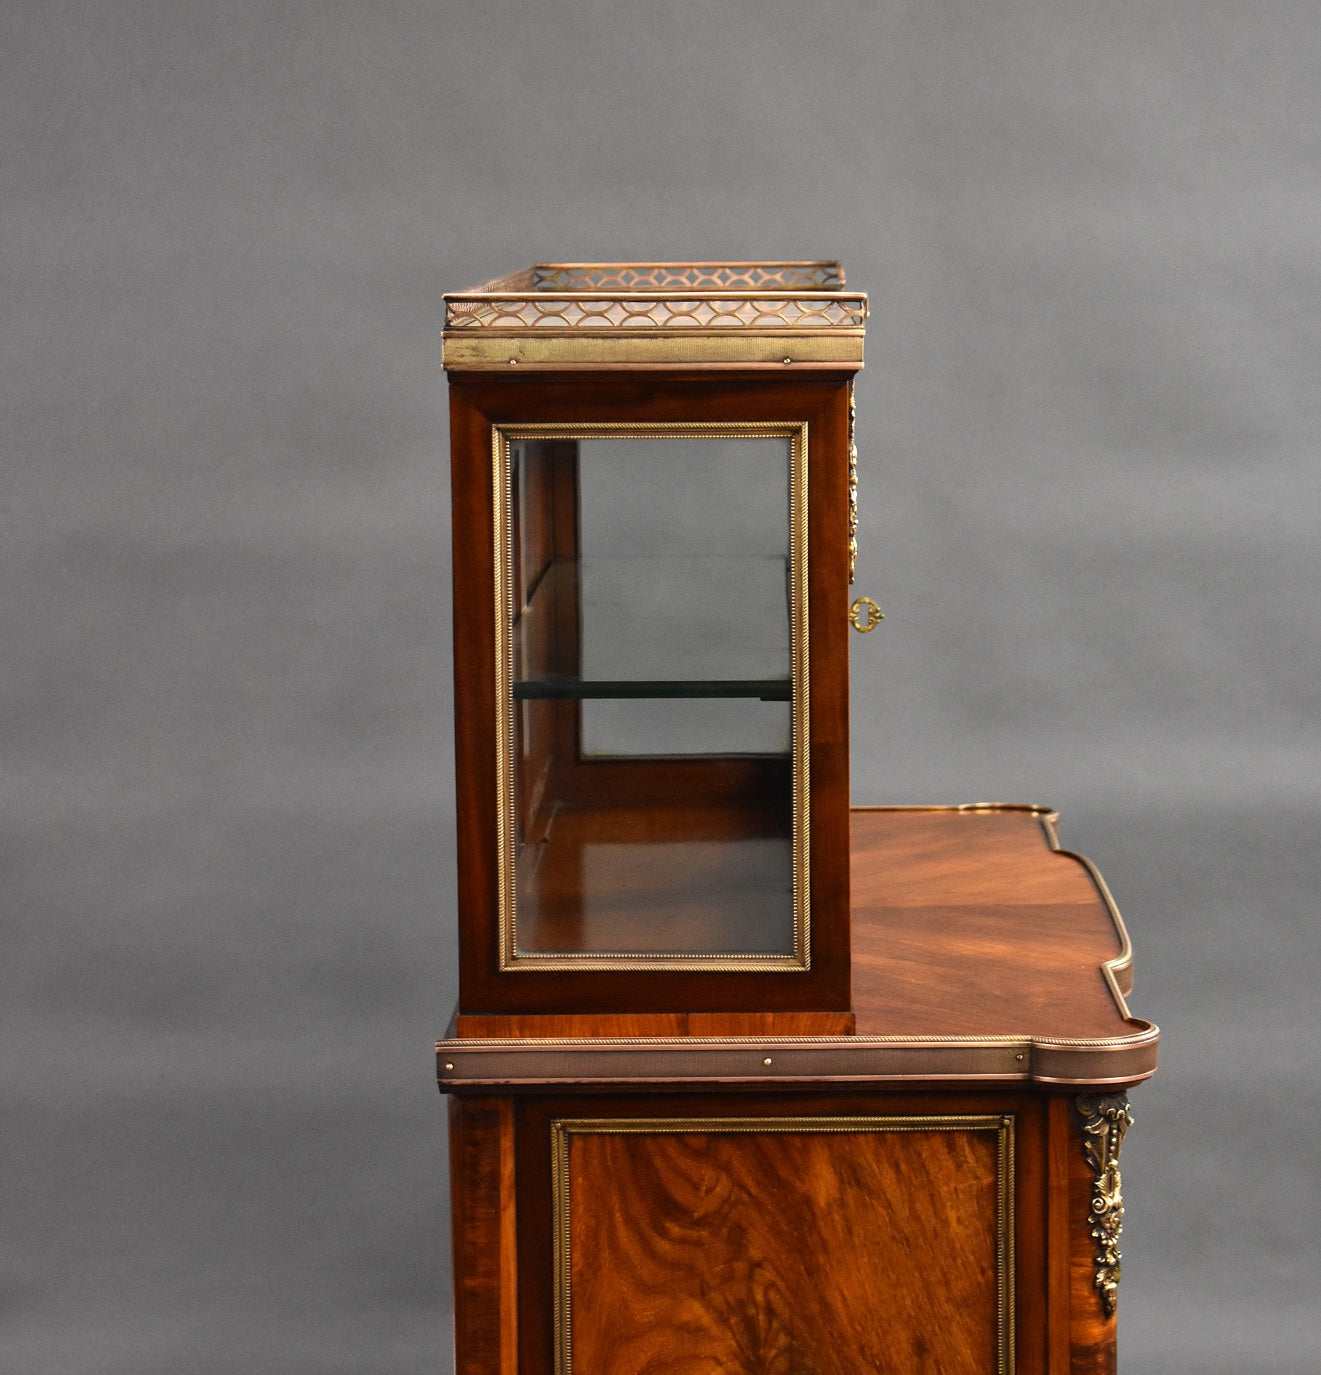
(654, 509)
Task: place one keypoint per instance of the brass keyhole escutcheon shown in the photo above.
(874, 614)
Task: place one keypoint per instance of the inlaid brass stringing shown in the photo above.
(1105, 1120)
(563, 1130)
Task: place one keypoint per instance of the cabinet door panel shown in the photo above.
(793, 1245)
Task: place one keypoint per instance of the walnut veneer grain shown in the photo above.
(784, 1253)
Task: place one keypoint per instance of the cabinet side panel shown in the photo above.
(828, 542)
(472, 514)
(483, 1216)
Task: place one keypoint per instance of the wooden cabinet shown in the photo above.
(938, 1191)
(741, 1080)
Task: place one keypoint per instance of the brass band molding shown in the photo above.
(470, 1063)
(510, 957)
(564, 1129)
(566, 315)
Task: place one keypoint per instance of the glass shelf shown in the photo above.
(661, 620)
(564, 688)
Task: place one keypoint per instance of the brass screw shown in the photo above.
(767, 1060)
(449, 1064)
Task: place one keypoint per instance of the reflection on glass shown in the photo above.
(651, 592)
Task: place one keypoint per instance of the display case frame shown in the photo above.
(485, 406)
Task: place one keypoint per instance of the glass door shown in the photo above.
(652, 643)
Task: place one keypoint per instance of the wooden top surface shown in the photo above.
(970, 922)
(981, 951)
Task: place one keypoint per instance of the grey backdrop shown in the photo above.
(1089, 427)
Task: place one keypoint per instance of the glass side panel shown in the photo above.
(650, 617)
(684, 548)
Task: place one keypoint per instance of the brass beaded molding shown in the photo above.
(509, 954)
(563, 1130)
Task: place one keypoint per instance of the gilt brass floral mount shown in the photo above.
(1105, 1119)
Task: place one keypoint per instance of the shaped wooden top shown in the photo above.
(981, 953)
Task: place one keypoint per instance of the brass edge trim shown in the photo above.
(689, 1043)
(1031, 808)
(563, 1129)
(527, 277)
(657, 365)
(1090, 1081)
(800, 713)
(825, 1124)
(853, 487)
(511, 290)
(1004, 1245)
(471, 1062)
(703, 262)
(1148, 1035)
(1106, 1119)
(488, 349)
(731, 961)
(562, 1247)
(504, 697)
(823, 334)
(510, 960)
(1117, 971)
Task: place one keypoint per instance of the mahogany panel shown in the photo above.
(472, 514)
(652, 1024)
